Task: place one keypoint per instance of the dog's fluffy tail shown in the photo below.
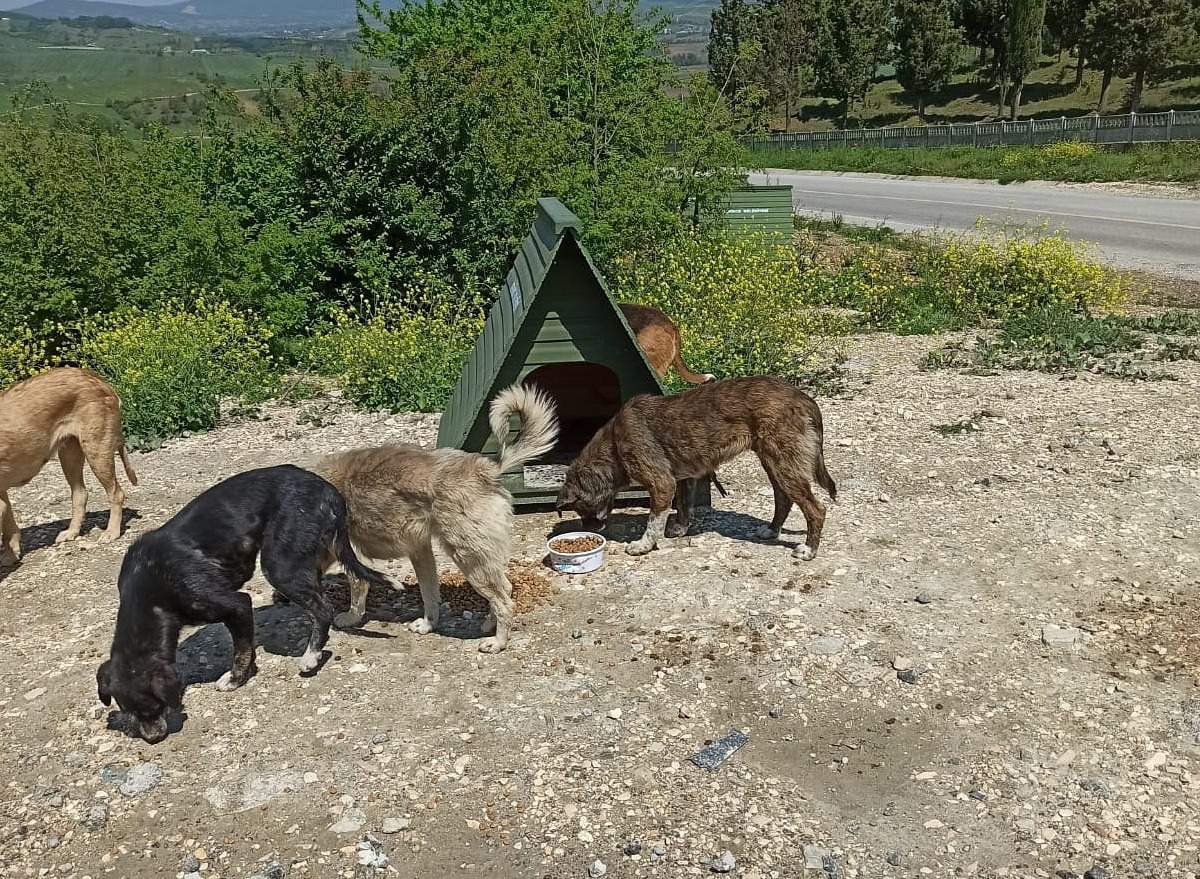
(539, 425)
(129, 471)
(351, 562)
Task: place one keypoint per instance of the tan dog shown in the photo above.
(72, 412)
(401, 497)
(659, 338)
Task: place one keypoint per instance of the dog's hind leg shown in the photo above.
(785, 472)
(70, 455)
(425, 567)
(783, 508)
(10, 534)
(298, 576)
(685, 493)
(100, 457)
(239, 619)
(358, 604)
(494, 586)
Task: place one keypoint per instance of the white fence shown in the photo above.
(1127, 128)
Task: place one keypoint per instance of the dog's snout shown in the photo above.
(153, 731)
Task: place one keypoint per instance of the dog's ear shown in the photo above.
(104, 682)
(166, 686)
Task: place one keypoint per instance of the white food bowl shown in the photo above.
(576, 562)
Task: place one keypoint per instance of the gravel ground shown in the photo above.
(991, 669)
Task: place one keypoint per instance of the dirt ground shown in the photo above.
(906, 715)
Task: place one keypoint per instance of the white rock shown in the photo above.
(1059, 637)
(351, 821)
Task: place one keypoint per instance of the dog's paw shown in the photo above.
(674, 529)
(8, 559)
(348, 620)
(105, 537)
(421, 626)
(639, 547)
(766, 532)
(492, 645)
(804, 553)
(66, 536)
(310, 661)
(227, 683)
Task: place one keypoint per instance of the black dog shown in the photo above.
(189, 571)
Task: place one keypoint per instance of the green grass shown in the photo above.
(130, 81)
(1176, 162)
(1064, 341)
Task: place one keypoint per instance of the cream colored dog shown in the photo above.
(401, 497)
(71, 412)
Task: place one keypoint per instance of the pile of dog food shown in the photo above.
(531, 589)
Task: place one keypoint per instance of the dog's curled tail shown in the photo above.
(129, 471)
(351, 562)
(539, 425)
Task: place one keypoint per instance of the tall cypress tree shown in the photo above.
(855, 37)
(731, 26)
(927, 47)
(1024, 45)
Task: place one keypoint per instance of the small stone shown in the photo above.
(615, 714)
(684, 712)
(1059, 637)
(379, 738)
(776, 711)
(901, 663)
(795, 677)
(815, 857)
(827, 645)
(977, 794)
(395, 825)
(933, 824)
(351, 821)
(909, 676)
(96, 817)
(140, 779)
(1096, 786)
(924, 598)
(657, 853)
(193, 875)
(633, 847)
(189, 864)
(35, 694)
(53, 842)
(597, 869)
(1155, 761)
(1096, 872)
(893, 858)
(725, 863)
(577, 634)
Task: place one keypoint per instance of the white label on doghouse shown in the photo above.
(545, 475)
(514, 293)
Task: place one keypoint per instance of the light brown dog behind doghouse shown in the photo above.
(659, 338)
(71, 412)
(400, 498)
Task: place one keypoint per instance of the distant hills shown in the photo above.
(254, 16)
(217, 16)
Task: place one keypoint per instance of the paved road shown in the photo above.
(1140, 232)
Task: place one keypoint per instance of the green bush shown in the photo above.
(22, 354)
(173, 365)
(956, 281)
(740, 303)
(396, 360)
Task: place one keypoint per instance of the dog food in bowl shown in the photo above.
(577, 552)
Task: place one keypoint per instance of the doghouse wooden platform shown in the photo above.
(554, 325)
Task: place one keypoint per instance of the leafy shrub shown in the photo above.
(958, 280)
(396, 360)
(173, 365)
(739, 303)
(22, 354)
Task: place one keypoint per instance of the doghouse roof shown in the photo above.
(554, 308)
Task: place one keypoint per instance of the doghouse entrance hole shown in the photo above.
(585, 395)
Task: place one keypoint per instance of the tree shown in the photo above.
(982, 24)
(731, 27)
(1023, 46)
(789, 34)
(927, 47)
(853, 42)
(1137, 38)
(1065, 20)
